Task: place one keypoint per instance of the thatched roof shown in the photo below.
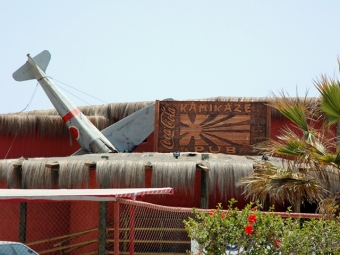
(121, 170)
(49, 123)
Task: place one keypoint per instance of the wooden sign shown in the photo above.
(208, 126)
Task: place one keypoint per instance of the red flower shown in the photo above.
(252, 218)
(249, 229)
(223, 216)
(211, 213)
(254, 208)
(277, 243)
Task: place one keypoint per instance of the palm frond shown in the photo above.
(296, 110)
(329, 207)
(330, 98)
(288, 144)
(282, 184)
(330, 158)
(295, 148)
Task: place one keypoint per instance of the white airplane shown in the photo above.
(122, 136)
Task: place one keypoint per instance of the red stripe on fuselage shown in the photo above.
(71, 114)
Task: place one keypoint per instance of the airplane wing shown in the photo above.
(129, 132)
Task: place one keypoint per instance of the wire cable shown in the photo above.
(29, 102)
(73, 95)
(77, 90)
(27, 106)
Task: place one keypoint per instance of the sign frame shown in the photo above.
(229, 127)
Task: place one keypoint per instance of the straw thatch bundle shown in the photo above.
(120, 173)
(224, 176)
(328, 176)
(49, 123)
(116, 111)
(73, 174)
(8, 172)
(41, 125)
(5, 166)
(180, 175)
(127, 170)
(35, 174)
(27, 125)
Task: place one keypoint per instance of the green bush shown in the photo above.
(261, 233)
(315, 236)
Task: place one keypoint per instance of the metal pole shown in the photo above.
(22, 223)
(102, 228)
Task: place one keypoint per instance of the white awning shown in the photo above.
(22, 195)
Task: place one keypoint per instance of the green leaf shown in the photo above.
(330, 99)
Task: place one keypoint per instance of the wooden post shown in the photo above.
(204, 190)
(102, 228)
(116, 227)
(297, 205)
(22, 222)
(269, 122)
(155, 145)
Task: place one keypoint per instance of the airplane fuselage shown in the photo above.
(88, 136)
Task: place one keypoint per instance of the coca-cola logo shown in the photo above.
(167, 119)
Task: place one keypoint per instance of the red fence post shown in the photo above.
(132, 229)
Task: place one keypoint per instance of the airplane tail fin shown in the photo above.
(41, 60)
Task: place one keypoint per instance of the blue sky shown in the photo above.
(126, 51)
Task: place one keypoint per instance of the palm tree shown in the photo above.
(310, 155)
